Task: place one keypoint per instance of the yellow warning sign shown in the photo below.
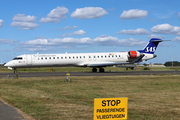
(110, 108)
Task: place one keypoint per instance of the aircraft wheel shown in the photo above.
(101, 69)
(94, 70)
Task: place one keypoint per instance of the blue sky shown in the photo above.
(79, 26)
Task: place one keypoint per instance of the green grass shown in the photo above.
(50, 98)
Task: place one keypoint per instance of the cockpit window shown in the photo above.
(18, 58)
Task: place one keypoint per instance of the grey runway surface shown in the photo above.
(61, 74)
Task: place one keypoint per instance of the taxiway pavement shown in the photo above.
(9, 113)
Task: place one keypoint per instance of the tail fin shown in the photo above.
(151, 46)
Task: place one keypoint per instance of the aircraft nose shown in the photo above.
(7, 64)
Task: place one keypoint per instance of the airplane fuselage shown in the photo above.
(76, 59)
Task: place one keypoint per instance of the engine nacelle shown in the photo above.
(134, 54)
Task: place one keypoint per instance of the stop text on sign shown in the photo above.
(110, 108)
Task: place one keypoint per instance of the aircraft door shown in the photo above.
(121, 57)
(28, 59)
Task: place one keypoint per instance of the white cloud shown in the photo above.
(1, 22)
(24, 25)
(8, 41)
(57, 41)
(38, 48)
(24, 22)
(177, 39)
(79, 32)
(55, 15)
(68, 42)
(156, 36)
(114, 41)
(38, 42)
(138, 31)
(23, 18)
(53, 44)
(131, 42)
(134, 14)
(88, 13)
(104, 38)
(49, 20)
(69, 28)
(166, 29)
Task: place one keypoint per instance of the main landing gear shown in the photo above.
(94, 70)
(100, 70)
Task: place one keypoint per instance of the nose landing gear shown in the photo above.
(15, 71)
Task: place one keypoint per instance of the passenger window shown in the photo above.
(84, 56)
(42, 58)
(57, 57)
(101, 56)
(49, 57)
(61, 57)
(119, 56)
(69, 57)
(46, 58)
(77, 57)
(65, 57)
(53, 57)
(80, 57)
(73, 57)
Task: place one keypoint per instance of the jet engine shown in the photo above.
(134, 54)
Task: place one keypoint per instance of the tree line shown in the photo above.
(172, 63)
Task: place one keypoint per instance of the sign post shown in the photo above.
(110, 108)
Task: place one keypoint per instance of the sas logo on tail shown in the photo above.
(150, 49)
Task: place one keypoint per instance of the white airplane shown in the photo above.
(94, 60)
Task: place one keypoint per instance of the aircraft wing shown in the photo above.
(103, 64)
